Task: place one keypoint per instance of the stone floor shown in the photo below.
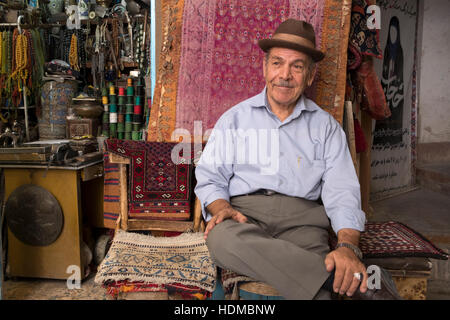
(423, 210)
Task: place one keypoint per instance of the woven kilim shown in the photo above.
(184, 259)
(111, 193)
(379, 240)
(394, 239)
(160, 178)
(210, 59)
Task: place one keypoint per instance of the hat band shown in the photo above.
(293, 38)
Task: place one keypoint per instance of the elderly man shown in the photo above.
(267, 162)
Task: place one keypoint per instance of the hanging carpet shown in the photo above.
(210, 59)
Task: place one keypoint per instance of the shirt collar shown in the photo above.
(260, 100)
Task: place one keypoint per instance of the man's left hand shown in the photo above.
(346, 264)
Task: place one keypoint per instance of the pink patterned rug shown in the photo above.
(210, 59)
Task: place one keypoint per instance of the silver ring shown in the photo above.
(357, 275)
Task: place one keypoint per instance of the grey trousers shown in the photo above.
(283, 244)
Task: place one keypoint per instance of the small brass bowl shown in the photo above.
(87, 109)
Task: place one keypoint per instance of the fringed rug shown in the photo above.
(159, 187)
(210, 59)
(111, 193)
(184, 260)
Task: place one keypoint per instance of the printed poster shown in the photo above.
(394, 138)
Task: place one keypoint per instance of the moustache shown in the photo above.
(284, 84)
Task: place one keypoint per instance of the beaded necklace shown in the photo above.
(73, 53)
(6, 62)
(20, 57)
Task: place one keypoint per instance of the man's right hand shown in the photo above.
(222, 210)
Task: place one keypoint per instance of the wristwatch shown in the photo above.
(355, 249)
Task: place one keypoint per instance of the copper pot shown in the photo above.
(87, 109)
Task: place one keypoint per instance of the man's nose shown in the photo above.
(285, 72)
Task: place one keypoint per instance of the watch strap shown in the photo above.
(354, 248)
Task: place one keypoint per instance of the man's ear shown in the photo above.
(312, 75)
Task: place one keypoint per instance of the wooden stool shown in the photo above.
(256, 290)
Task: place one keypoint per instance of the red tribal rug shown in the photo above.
(113, 288)
(394, 239)
(160, 178)
(210, 59)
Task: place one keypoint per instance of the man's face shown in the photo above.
(287, 75)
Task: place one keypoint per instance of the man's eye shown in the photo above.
(275, 63)
(298, 67)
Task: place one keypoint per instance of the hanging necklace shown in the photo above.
(73, 53)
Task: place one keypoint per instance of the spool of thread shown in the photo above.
(113, 117)
(128, 117)
(136, 126)
(121, 91)
(130, 100)
(135, 135)
(111, 90)
(128, 127)
(113, 130)
(137, 118)
(137, 109)
(105, 117)
(121, 100)
(127, 136)
(113, 108)
(105, 129)
(138, 101)
(120, 127)
(129, 82)
(129, 109)
(121, 118)
(139, 91)
(112, 99)
(130, 91)
(105, 100)
(120, 135)
(104, 92)
(121, 109)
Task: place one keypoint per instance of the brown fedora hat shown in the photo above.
(294, 34)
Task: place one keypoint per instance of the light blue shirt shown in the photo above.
(304, 156)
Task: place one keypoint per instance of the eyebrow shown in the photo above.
(295, 61)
